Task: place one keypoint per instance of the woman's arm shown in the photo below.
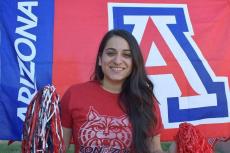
(172, 148)
(154, 145)
(67, 135)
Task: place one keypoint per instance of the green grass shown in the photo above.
(13, 148)
(16, 147)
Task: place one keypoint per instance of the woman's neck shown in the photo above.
(111, 87)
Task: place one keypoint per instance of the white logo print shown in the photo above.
(105, 133)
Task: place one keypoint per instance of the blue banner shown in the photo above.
(26, 48)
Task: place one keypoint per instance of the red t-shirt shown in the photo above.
(96, 119)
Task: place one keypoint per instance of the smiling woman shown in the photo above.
(116, 63)
(116, 111)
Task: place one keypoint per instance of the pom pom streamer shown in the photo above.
(42, 131)
(190, 140)
(213, 141)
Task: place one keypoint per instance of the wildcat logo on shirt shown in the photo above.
(105, 134)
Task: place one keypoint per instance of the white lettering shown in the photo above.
(22, 7)
(29, 44)
(26, 52)
(28, 25)
(26, 82)
(29, 72)
(21, 113)
(24, 95)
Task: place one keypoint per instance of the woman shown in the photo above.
(116, 111)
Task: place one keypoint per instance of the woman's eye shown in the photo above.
(127, 55)
(110, 53)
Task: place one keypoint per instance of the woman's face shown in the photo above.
(116, 61)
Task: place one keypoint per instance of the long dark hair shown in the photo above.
(136, 97)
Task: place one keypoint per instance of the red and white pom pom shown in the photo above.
(190, 140)
(42, 131)
(213, 141)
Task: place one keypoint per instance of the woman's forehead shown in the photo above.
(117, 43)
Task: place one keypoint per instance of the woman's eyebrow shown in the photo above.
(111, 49)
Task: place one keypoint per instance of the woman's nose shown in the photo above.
(118, 59)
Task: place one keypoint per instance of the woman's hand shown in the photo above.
(154, 145)
(172, 148)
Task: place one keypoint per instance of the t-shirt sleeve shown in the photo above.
(66, 118)
(158, 125)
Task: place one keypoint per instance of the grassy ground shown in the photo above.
(16, 147)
